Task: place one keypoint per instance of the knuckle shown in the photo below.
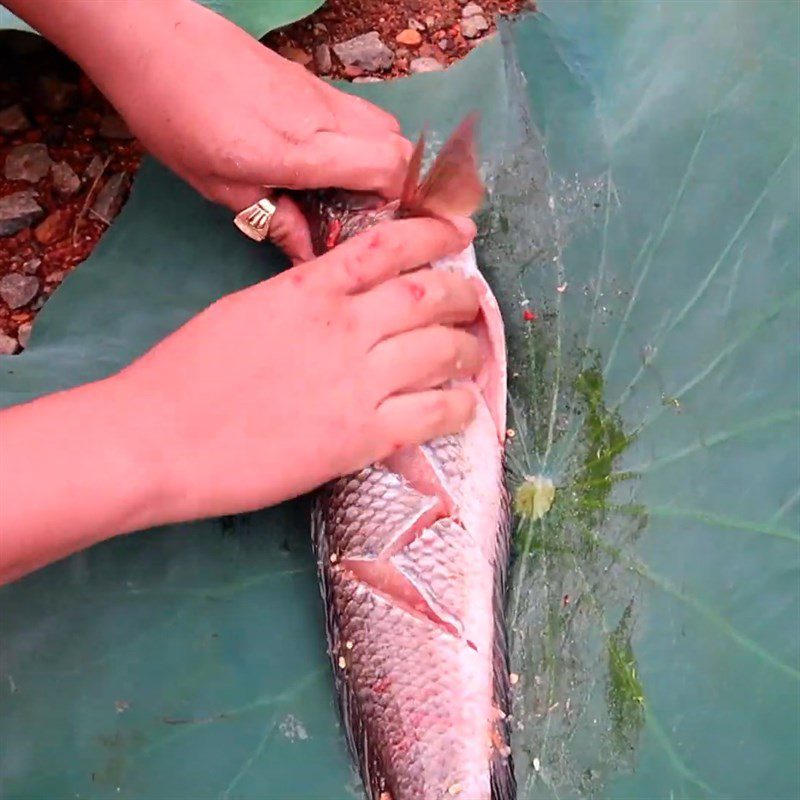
(438, 410)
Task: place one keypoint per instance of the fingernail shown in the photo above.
(465, 226)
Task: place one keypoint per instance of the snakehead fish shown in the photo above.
(412, 552)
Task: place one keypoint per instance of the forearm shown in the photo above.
(110, 39)
(75, 470)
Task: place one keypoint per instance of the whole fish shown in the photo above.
(412, 552)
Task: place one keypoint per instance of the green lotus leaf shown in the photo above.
(643, 172)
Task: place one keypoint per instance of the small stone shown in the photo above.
(416, 25)
(8, 345)
(414, 5)
(112, 126)
(94, 169)
(366, 51)
(430, 22)
(56, 95)
(13, 120)
(55, 277)
(24, 333)
(445, 45)
(65, 180)
(296, 54)
(322, 59)
(320, 28)
(472, 27)
(28, 162)
(353, 71)
(18, 211)
(31, 265)
(53, 228)
(18, 290)
(409, 38)
(368, 79)
(109, 198)
(419, 65)
(471, 10)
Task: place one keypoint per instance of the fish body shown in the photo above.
(412, 555)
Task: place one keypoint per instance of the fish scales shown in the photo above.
(412, 555)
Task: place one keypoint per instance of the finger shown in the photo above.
(419, 417)
(423, 359)
(288, 228)
(356, 115)
(391, 248)
(421, 298)
(360, 163)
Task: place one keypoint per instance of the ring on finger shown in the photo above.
(254, 221)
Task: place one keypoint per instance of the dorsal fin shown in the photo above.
(453, 184)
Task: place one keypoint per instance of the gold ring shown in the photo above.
(255, 219)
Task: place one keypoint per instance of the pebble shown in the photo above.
(54, 227)
(368, 79)
(445, 45)
(471, 10)
(65, 180)
(19, 211)
(112, 126)
(109, 198)
(56, 95)
(8, 345)
(322, 59)
(366, 51)
(28, 162)
(24, 333)
(419, 65)
(13, 120)
(320, 28)
(296, 54)
(409, 38)
(31, 265)
(416, 25)
(18, 290)
(472, 27)
(94, 169)
(430, 22)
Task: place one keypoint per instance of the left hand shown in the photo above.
(224, 112)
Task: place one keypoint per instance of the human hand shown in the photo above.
(312, 374)
(231, 117)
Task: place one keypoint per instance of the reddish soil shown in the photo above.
(65, 112)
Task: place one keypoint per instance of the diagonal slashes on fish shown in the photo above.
(412, 553)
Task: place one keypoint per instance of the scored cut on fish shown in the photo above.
(412, 552)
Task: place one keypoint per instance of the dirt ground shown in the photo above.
(68, 160)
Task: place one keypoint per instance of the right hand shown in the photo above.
(310, 375)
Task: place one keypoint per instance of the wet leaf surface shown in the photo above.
(645, 213)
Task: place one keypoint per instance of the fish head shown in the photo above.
(451, 187)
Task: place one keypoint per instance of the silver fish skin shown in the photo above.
(412, 555)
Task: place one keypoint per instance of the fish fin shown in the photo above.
(354, 724)
(503, 782)
(411, 183)
(453, 184)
